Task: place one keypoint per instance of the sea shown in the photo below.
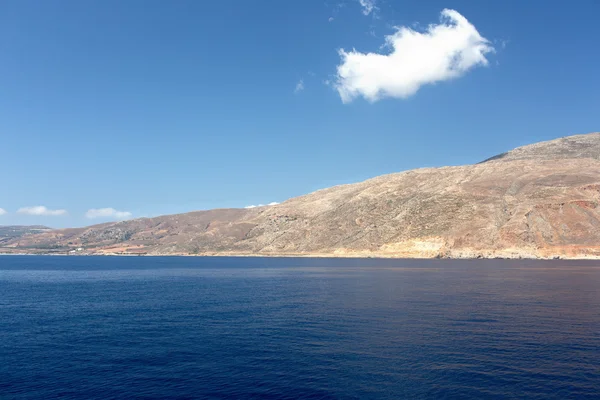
(79, 327)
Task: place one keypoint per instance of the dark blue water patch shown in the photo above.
(91, 263)
(172, 327)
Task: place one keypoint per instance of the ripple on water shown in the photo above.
(95, 327)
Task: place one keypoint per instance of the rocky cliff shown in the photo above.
(540, 200)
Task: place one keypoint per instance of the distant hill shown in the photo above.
(11, 232)
(540, 200)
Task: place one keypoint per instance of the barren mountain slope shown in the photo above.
(576, 146)
(532, 202)
(11, 232)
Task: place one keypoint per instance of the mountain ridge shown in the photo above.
(536, 201)
(11, 232)
(574, 146)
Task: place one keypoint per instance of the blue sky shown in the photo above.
(154, 107)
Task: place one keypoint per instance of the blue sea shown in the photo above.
(297, 328)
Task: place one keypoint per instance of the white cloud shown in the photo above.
(263, 205)
(299, 86)
(442, 52)
(367, 5)
(110, 213)
(2, 211)
(41, 210)
(330, 19)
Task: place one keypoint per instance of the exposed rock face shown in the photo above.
(535, 201)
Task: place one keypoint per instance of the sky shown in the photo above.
(112, 110)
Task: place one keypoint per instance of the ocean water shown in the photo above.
(168, 327)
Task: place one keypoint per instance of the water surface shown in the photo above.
(157, 327)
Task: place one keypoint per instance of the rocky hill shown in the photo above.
(540, 200)
(11, 232)
(577, 146)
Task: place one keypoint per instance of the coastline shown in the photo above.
(512, 256)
